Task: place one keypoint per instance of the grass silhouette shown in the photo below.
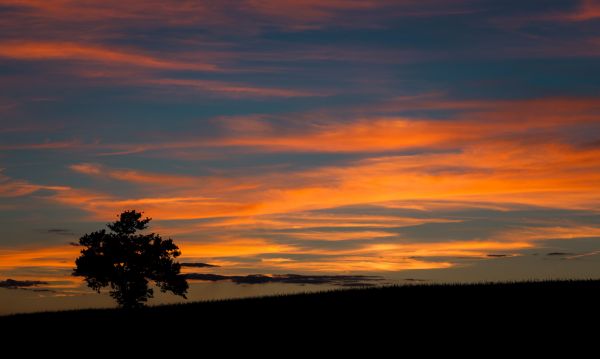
(454, 318)
(406, 303)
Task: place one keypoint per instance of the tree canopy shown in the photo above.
(127, 261)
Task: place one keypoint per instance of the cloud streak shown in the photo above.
(18, 284)
(250, 15)
(338, 280)
(16, 188)
(92, 53)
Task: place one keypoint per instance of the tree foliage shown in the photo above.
(127, 261)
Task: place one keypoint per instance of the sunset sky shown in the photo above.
(430, 140)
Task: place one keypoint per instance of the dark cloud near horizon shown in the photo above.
(199, 265)
(61, 231)
(22, 284)
(573, 256)
(338, 280)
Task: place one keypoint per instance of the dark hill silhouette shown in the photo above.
(481, 319)
(547, 300)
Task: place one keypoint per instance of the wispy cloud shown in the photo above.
(16, 188)
(250, 15)
(93, 53)
(97, 170)
(232, 89)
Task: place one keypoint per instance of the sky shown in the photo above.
(428, 140)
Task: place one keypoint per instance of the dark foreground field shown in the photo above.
(483, 320)
(399, 306)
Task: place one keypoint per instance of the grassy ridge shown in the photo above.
(483, 319)
(551, 299)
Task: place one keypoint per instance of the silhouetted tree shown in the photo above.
(126, 261)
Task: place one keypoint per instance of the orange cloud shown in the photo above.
(206, 188)
(317, 235)
(366, 258)
(226, 247)
(118, 12)
(480, 123)
(356, 264)
(561, 178)
(521, 154)
(16, 188)
(483, 121)
(111, 62)
(290, 14)
(539, 233)
(301, 225)
(29, 50)
(52, 257)
(588, 10)
(56, 145)
(103, 205)
(444, 249)
(375, 257)
(311, 14)
(232, 89)
(394, 257)
(142, 177)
